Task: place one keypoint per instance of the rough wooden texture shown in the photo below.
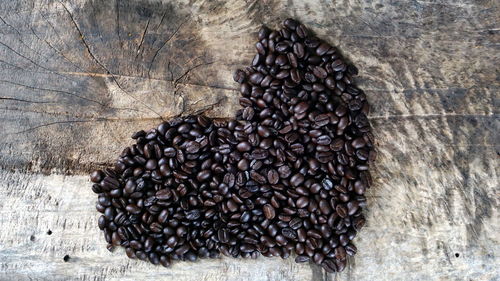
(78, 77)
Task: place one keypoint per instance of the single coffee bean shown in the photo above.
(269, 211)
(302, 202)
(329, 265)
(301, 107)
(301, 259)
(289, 233)
(320, 72)
(291, 24)
(273, 176)
(256, 78)
(322, 49)
(97, 176)
(297, 179)
(341, 210)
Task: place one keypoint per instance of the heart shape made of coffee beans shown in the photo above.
(288, 175)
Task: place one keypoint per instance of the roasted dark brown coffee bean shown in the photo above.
(301, 259)
(301, 107)
(269, 211)
(297, 179)
(239, 76)
(329, 265)
(273, 176)
(289, 233)
(302, 202)
(291, 24)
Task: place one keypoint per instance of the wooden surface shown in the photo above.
(78, 77)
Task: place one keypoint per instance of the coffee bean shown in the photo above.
(193, 215)
(260, 154)
(256, 78)
(263, 32)
(341, 210)
(320, 72)
(297, 179)
(352, 207)
(291, 24)
(193, 147)
(260, 48)
(257, 59)
(351, 249)
(330, 83)
(359, 187)
(295, 75)
(358, 143)
(301, 107)
(302, 202)
(151, 164)
(337, 144)
(269, 212)
(239, 76)
(292, 59)
(324, 140)
(204, 175)
(289, 233)
(273, 176)
(318, 258)
(322, 49)
(295, 223)
(321, 120)
(301, 259)
(96, 176)
(243, 165)
(329, 265)
(340, 253)
(358, 223)
(133, 209)
(284, 171)
(281, 47)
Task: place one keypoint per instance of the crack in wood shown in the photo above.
(22, 100)
(67, 93)
(24, 57)
(163, 45)
(82, 39)
(142, 39)
(161, 20)
(206, 108)
(117, 7)
(15, 66)
(189, 70)
(431, 115)
(54, 29)
(46, 113)
(67, 114)
(51, 124)
(55, 91)
(57, 51)
(101, 119)
(37, 53)
(21, 40)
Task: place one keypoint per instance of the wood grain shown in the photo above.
(78, 77)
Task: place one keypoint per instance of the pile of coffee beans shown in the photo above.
(287, 176)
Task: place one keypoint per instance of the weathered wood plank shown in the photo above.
(77, 77)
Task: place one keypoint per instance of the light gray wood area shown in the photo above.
(78, 77)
